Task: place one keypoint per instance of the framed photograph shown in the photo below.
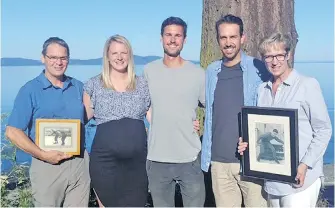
(58, 134)
(273, 143)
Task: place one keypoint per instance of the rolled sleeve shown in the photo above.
(22, 112)
(320, 123)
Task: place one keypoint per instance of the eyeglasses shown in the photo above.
(56, 58)
(279, 57)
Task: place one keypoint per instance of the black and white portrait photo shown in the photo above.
(272, 137)
(57, 136)
(270, 143)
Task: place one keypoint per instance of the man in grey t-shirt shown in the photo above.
(176, 86)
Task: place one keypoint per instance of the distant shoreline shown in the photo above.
(139, 60)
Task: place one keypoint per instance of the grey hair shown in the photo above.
(58, 41)
(274, 40)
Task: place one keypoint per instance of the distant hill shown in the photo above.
(317, 61)
(19, 62)
(139, 60)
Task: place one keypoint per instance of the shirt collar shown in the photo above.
(243, 62)
(46, 83)
(289, 80)
(291, 77)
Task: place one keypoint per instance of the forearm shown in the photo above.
(88, 115)
(89, 112)
(148, 116)
(20, 139)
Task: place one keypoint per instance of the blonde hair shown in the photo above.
(105, 75)
(275, 40)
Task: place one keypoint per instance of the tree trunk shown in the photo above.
(260, 19)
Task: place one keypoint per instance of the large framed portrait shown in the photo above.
(58, 134)
(272, 136)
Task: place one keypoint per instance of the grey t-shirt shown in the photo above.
(109, 104)
(228, 100)
(175, 94)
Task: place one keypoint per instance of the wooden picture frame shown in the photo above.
(273, 143)
(59, 134)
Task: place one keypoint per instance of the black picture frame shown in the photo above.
(271, 154)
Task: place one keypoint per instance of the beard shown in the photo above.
(172, 54)
(232, 55)
(175, 54)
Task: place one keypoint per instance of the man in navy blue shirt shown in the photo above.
(57, 179)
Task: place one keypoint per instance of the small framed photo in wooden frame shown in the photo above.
(58, 134)
(272, 136)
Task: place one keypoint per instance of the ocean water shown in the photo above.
(12, 78)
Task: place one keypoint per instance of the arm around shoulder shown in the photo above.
(202, 92)
(88, 106)
(148, 116)
(89, 97)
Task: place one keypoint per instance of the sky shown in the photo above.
(85, 25)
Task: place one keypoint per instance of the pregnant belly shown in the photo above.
(120, 139)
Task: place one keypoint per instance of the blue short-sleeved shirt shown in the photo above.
(38, 98)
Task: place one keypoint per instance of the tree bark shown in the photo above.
(260, 19)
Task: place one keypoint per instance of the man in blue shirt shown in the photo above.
(230, 83)
(57, 179)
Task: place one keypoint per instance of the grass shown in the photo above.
(15, 184)
(322, 201)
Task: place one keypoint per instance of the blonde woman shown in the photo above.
(118, 100)
(289, 89)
